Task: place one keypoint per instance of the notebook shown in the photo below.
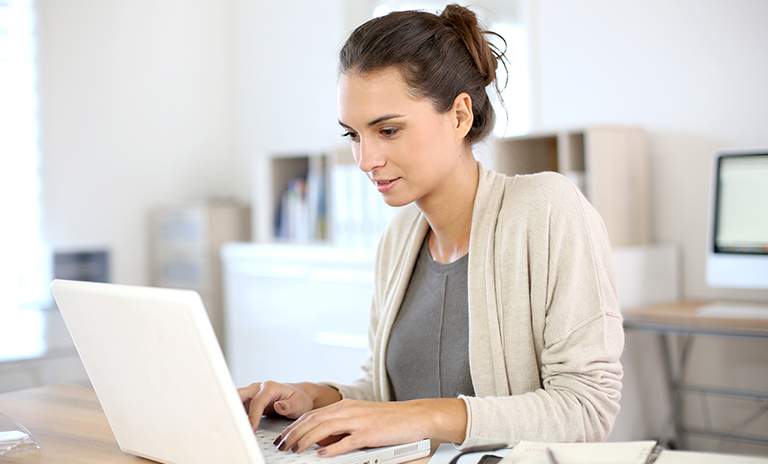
(161, 378)
(629, 452)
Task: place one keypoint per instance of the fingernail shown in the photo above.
(282, 405)
(281, 445)
(295, 448)
(277, 440)
(322, 452)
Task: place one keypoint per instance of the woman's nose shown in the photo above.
(369, 157)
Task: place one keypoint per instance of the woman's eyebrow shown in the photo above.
(386, 117)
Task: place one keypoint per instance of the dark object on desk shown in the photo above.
(550, 456)
(657, 450)
(487, 459)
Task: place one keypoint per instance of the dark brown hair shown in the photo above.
(439, 57)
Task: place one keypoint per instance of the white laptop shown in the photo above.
(160, 375)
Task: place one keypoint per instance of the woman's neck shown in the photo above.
(449, 214)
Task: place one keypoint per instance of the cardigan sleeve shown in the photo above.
(577, 402)
(560, 327)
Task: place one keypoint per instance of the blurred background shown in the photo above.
(120, 115)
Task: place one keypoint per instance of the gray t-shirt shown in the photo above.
(428, 349)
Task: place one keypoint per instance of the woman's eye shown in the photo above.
(389, 132)
(350, 135)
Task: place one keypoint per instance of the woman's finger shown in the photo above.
(314, 427)
(346, 444)
(361, 424)
(272, 397)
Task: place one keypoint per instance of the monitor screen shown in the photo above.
(741, 214)
(738, 242)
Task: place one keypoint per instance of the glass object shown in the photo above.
(15, 439)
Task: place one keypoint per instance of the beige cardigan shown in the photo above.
(545, 332)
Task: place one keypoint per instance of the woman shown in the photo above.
(495, 314)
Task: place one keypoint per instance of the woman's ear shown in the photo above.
(462, 112)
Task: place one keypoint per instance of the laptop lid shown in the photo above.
(156, 366)
(158, 371)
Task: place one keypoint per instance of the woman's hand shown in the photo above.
(348, 425)
(289, 400)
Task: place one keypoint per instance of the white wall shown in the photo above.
(692, 72)
(136, 110)
(286, 58)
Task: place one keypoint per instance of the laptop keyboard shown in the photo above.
(272, 455)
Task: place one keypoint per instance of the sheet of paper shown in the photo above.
(691, 457)
(631, 452)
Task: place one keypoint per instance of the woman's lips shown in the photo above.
(384, 186)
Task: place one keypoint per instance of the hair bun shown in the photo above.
(466, 25)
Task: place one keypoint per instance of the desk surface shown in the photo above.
(681, 317)
(69, 424)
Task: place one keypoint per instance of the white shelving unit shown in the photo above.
(340, 208)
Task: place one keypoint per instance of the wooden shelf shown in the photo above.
(608, 164)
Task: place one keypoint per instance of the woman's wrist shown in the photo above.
(446, 419)
(321, 395)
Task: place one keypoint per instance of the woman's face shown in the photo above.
(407, 148)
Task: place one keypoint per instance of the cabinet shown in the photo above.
(296, 312)
(609, 165)
(186, 241)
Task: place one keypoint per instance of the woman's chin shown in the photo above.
(395, 202)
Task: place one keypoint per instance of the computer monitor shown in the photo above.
(737, 254)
